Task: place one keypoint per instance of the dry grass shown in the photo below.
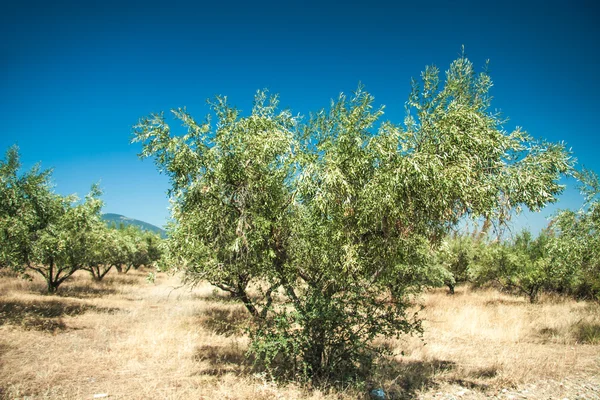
(134, 340)
(488, 341)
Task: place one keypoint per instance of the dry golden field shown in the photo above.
(128, 339)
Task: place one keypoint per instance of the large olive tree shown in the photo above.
(331, 222)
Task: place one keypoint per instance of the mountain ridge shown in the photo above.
(118, 219)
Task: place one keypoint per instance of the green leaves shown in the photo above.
(26, 205)
(40, 230)
(231, 189)
(334, 221)
(577, 249)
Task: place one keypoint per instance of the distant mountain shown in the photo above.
(118, 219)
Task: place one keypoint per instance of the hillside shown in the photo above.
(117, 219)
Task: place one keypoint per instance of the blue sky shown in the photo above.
(75, 77)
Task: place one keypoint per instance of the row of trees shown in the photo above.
(564, 258)
(55, 236)
(324, 228)
(122, 249)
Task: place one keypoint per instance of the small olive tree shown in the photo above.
(26, 206)
(41, 231)
(332, 222)
(99, 263)
(123, 248)
(144, 247)
(576, 242)
(66, 244)
(524, 264)
(459, 255)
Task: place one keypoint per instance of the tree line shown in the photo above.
(564, 258)
(42, 232)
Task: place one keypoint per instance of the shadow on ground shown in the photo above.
(86, 291)
(123, 279)
(219, 360)
(401, 379)
(4, 349)
(226, 321)
(216, 297)
(220, 296)
(586, 332)
(43, 315)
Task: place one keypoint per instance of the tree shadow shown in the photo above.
(227, 321)
(216, 297)
(4, 348)
(586, 332)
(401, 379)
(220, 296)
(220, 360)
(43, 315)
(86, 291)
(123, 279)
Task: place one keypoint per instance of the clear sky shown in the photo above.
(76, 75)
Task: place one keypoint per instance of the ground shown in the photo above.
(126, 338)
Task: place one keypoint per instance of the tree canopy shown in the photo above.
(55, 236)
(26, 205)
(324, 227)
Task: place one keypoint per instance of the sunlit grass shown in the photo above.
(135, 340)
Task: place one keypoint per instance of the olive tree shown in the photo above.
(145, 250)
(458, 255)
(118, 249)
(331, 222)
(123, 248)
(576, 242)
(43, 232)
(232, 194)
(524, 264)
(65, 245)
(26, 206)
(99, 263)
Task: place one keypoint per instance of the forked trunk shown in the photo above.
(52, 286)
(450, 288)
